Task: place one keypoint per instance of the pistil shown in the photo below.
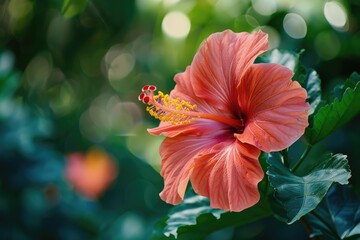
(177, 111)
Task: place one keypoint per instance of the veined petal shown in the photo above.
(275, 107)
(221, 62)
(198, 127)
(229, 175)
(177, 162)
(184, 90)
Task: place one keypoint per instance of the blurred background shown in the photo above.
(76, 161)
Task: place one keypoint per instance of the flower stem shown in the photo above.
(285, 157)
(303, 156)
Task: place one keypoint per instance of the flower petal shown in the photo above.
(177, 161)
(221, 62)
(229, 177)
(275, 107)
(184, 91)
(198, 127)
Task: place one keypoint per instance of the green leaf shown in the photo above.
(187, 213)
(285, 58)
(70, 8)
(338, 215)
(300, 195)
(195, 219)
(334, 115)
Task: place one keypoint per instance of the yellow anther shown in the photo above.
(173, 110)
(177, 111)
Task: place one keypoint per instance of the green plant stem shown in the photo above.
(284, 153)
(267, 184)
(303, 156)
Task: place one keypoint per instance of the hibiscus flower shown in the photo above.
(222, 112)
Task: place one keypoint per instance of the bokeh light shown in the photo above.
(38, 70)
(264, 7)
(169, 3)
(295, 26)
(145, 146)
(176, 25)
(273, 36)
(121, 66)
(20, 12)
(327, 45)
(336, 15)
(147, 5)
(109, 116)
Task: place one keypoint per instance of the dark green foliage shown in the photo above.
(338, 215)
(335, 114)
(195, 219)
(300, 195)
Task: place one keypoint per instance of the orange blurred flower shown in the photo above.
(91, 173)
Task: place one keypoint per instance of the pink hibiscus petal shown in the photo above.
(274, 106)
(183, 90)
(221, 62)
(229, 177)
(177, 162)
(198, 127)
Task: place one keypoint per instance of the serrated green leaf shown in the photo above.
(195, 219)
(300, 195)
(70, 8)
(334, 115)
(338, 215)
(339, 89)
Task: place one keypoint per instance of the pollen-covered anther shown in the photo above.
(178, 111)
(167, 109)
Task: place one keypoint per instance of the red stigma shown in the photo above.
(146, 99)
(141, 96)
(145, 88)
(147, 93)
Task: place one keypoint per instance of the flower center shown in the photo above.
(177, 111)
